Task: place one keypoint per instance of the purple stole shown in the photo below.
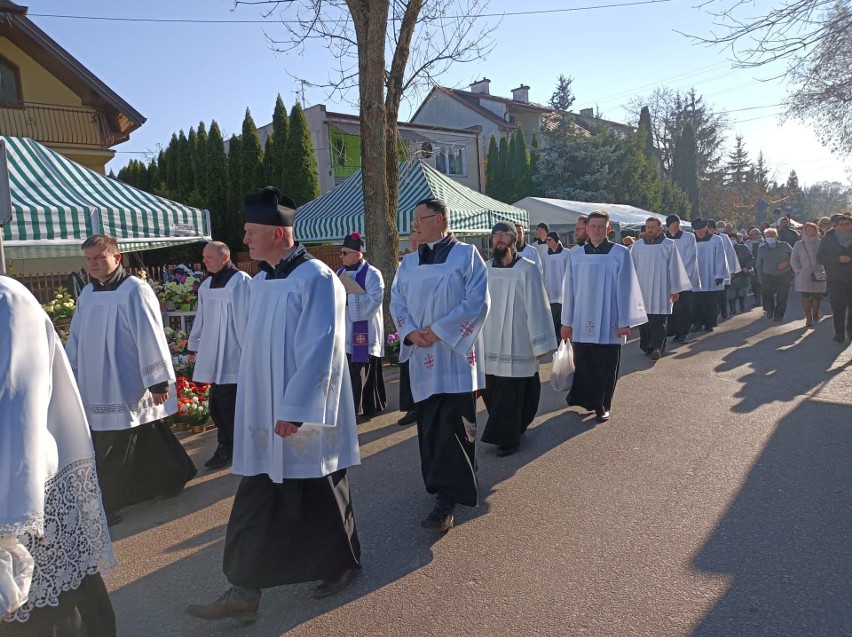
(360, 329)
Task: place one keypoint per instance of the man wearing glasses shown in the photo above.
(365, 328)
(439, 301)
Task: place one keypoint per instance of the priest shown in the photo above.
(681, 317)
(540, 243)
(439, 301)
(712, 272)
(365, 327)
(406, 401)
(528, 251)
(54, 543)
(118, 351)
(555, 262)
(601, 301)
(294, 433)
(518, 332)
(662, 278)
(219, 325)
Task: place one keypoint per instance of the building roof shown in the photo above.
(21, 31)
(590, 122)
(407, 131)
(473, 105)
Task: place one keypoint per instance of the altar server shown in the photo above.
(681, 318)
(712, 271)
(555, 262)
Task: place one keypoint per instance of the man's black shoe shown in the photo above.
(113, 518)
(503, 451)
(409, 418)
(235, 603)
(439, 520)
(337, 583)
(221, 458)
(601, 416)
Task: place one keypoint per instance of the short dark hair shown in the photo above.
(599, 214)
(101, 241)
(438, 206)
(584, 218)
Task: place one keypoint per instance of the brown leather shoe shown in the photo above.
(234, 603)
(337, 583)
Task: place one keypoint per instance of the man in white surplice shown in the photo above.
(294, 433)
(717, 229)
(518, 332)
(681, 318)
(526, 250)
(601, 301)
(365, 327)
(119, 354)
(54, 544)
(555, 262)
(712, 271)
(439, 301)
(662, 277)
(219, 325)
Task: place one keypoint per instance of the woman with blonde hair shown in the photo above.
(810, 273)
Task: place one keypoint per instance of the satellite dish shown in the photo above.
(426, 149)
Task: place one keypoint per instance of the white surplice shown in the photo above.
(218, 328)
(294, 368)
(368, 307)
(452, 299)
(531, 253)
(685, 245)
(661, 274)
(541, 248)
(519, 326)
(50, 502)
(730, 256)
(712, 265)
(554, 274)
(117, 349)
(600, 294)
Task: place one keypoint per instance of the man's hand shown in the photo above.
(844, 258)
(159, 399)
(285, 428)
(674, 297)
(417, 338)
(429, 335)
(783, 265)
(540, 356)
(567, 333)
(622, 331)
(190, 357)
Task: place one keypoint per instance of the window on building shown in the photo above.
(450, 161)
(10, 84)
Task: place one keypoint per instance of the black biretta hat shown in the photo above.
(697, 224)
(270, 208)
(353, 242)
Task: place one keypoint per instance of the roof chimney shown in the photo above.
(481, 86)
(521, 94)
(587, 112)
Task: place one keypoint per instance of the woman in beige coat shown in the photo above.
(810, 274)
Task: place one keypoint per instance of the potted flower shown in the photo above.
(392, 348)
(60, 310)
(193, 406)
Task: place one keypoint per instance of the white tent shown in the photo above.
(561, 215)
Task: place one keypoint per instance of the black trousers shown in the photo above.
(512, 404)
(705, 305)
(723, 302)
(556, 313)
(776, 289)
(756, 289)
(681, 317)
(223, 404)
(595, 376)
(406, 400)
(652, 335)
(840, 297)
(368, 386)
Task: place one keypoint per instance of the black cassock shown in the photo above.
(512, 404)
(595, 376)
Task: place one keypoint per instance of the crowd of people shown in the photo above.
(294, 360)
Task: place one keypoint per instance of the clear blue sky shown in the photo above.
(179, 74)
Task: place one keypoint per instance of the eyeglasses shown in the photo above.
(344, 253)
(419, 219)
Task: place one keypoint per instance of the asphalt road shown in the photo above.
(716, 501)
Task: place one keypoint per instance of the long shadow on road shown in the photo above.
(786, 537)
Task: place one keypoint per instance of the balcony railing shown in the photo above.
(55, 124)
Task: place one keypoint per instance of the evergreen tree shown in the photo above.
(519, 171)
(301, 180)
(738, 168)
(673, 200)
(274, 157)
(217, 189)
(760, 173)
(236, 186)
(251, 153)
(153, 175)
(192, 143)
(510, 179)
(647, 133)
(491, 167)
(199, 164)
(563, 96)
(634, 179)
(501, 186)
(172, 161)
(535, 157)
(685, 167)
(162, 170)
(111, 174)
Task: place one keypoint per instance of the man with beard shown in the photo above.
(517, 334)
(555, 263)
(682, 311)
(661, 277)
(295, 434)
(119, 354)
(528, 251)
(439, 301)
(598, 323)
(365, 328)
(581, 236)
(712, 272)
(219, 325)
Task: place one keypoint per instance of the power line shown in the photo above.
(266, 21)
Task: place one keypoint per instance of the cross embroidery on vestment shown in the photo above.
(466, 328)
(429, 361)
(590, 326)
(400, 320)
(471, 357)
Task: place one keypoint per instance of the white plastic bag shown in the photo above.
(562, 375)
(16, 574)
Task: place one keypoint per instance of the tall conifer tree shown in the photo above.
(685, 167)
(252, 156)
(200, 165)
(275, 158)
(236, 186)
(491, 168)
(172, 161)
(184, 167)
(502, 186)
(301, 180)
(216, 187)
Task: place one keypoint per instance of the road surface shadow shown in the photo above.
(785, 540)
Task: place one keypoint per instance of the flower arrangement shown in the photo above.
(179, 288)
(193, 402)
(177, 340)
(60, 310)
(392, 342)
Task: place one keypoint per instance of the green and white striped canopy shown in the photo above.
(57, 203)
(341, 211)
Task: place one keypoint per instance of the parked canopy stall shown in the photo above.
(561, 215)
(52, 204)
(341, 211)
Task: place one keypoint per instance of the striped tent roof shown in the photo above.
(341, 211)
(57, 203)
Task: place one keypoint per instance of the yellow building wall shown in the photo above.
(37, 85)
